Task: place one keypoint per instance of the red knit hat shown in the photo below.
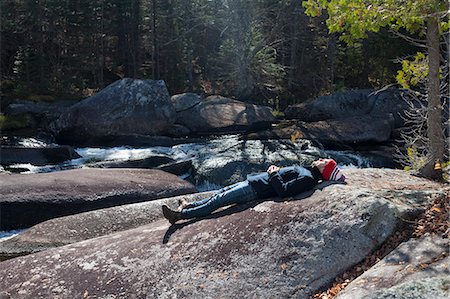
(331, 172)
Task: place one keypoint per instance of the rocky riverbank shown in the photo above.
(272, 249)
(141, 114)
(98, 232)
(137, 112)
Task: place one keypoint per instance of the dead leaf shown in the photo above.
(436, 210)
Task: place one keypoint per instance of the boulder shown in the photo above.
(149, 162)
(137, 140)
(50, 110)
(32, 198)
(83, 226)
(185, 101)
(379, 155)
(160, 162)
(126, 107)
(35, 115)
(417, 269)
(269, 250)
(178, 130)
(389, 102)
(334, 133)
(178, 168)
(38, 156)
(229, 159)
(352, 130)
(220, 114)
(351, 103)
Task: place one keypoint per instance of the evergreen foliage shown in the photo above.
(425, 18)
(268, 51)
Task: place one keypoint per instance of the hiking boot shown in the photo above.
(171, 215)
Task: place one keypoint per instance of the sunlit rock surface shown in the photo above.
(417, 269)
(75, 228)
(219, 114)
(184, 101)
(229, 159)
(268, 250)
(126, 107)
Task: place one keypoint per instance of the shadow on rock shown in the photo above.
(221, 213)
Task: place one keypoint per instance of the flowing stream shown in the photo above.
(5, 235)
(211, 150)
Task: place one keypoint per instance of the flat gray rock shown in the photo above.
(27, 199)
(417, 269)
(270, 250)
(79, 227)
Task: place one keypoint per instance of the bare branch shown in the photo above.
(416, 42)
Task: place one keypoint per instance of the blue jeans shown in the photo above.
(233, 194)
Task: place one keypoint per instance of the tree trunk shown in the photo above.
(122, 37)
(155, 54)
(365, 70)
(435, 134)
(189, 44)
(40, 59)
(101, 60)
(134, 51)
(295, 28)
(331, 59)
(189, 67)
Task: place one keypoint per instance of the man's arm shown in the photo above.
(292, 187)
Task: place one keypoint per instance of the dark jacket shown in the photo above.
(288, 181)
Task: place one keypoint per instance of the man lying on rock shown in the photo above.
(276, 181)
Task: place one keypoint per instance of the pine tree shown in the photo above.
(354, 18)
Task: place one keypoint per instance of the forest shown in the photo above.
(224, 148)
(264, 51)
